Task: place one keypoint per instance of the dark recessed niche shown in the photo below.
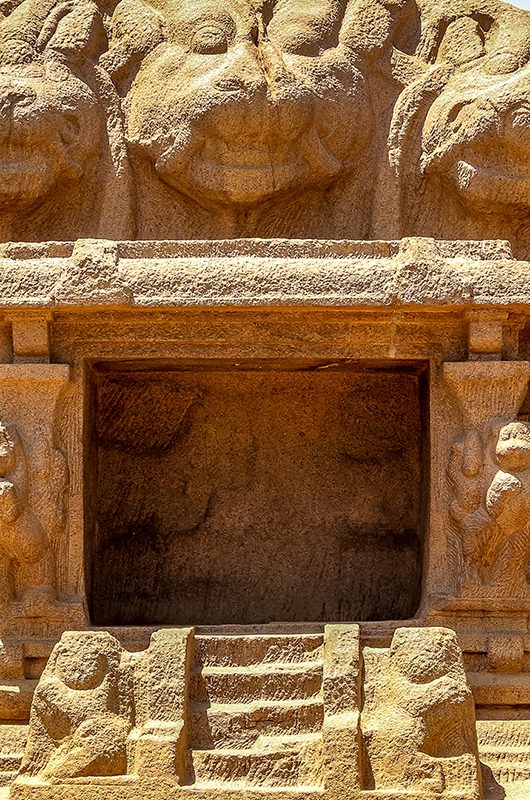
(255, 492)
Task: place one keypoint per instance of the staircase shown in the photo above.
(12, 744)
(256, 713)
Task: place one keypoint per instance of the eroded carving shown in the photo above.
(460, 134)
(236, 109)
(22, 536)
(31, 512)
(101, 713)
(418, 719)
(33, 499)
(338, 119)
(62, 165)
(490, 475)
(81, 711)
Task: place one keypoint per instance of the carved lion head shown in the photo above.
(50, 119)
(237, 101)
(477, 136)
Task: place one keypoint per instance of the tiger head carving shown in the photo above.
(461, 130)
(477, 136)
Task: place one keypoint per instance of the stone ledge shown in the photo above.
(34, 373)
(15, 699)
(500, 689)
(411, 274)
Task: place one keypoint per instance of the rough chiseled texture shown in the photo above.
(264, 369)
(185, 713)
(348, 119)
(201, 473)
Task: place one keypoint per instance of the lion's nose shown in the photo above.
(256, 68)
(243, 72)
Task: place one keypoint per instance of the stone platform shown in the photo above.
(423, 347)
(292, 715)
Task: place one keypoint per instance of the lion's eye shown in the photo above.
(210, 40)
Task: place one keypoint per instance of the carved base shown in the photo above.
(243, 716)
(39, 613)
(123, 788)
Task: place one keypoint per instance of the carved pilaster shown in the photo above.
(488, 487)
(33, 488)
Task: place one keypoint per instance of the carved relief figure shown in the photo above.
(99, 710)
(80, 716)
(491, 510)
(418, 720)
(460, 135)
(22, 536)
(248, 118)
(264, 118)
(31, 513)
(62, 166)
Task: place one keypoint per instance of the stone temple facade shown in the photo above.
(264, 400)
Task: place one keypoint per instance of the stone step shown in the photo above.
(12, 744)
(504, 746)
(244, 650)
(240, 725)
(15, 699)
(508, 771)
(499, 689)
(281, 761)
(13, 737)
(274, 681)
(504, 733)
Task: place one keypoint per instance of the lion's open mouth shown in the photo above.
(494, 173)
(21, 158)
(246, 181)
(250, 168)
(242, 177)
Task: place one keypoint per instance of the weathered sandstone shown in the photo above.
(264, 400)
